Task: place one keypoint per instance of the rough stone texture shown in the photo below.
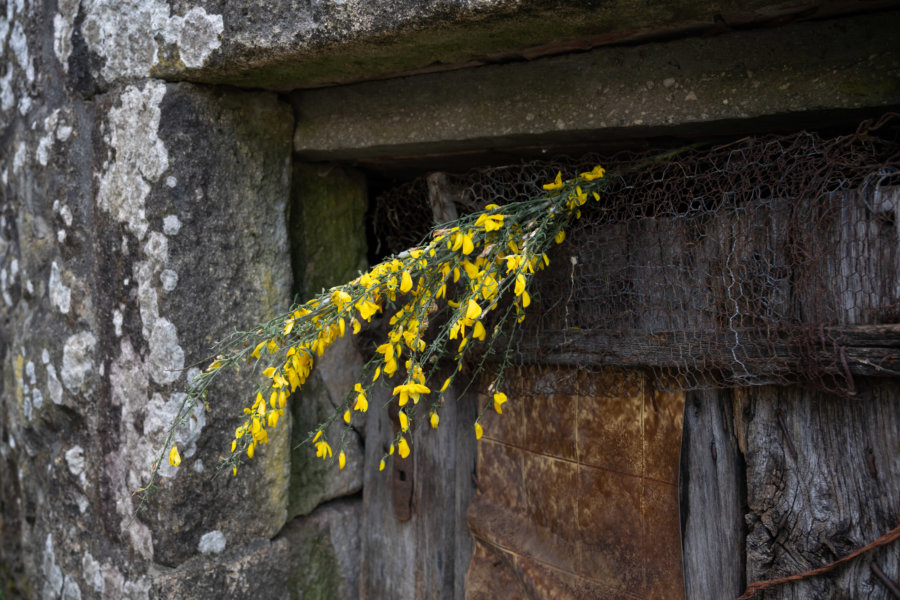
(325, 552)
(258, 569)
(692, 85)
(329, 203)
(326, 225)
(286, 45)
(126, 250)
(314, 558)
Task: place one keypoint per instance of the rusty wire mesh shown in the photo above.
(773, 259)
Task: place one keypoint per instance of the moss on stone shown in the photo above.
(317, 573)
(328, 237)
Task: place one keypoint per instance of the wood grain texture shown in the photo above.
(823, 479)
(869, 350)
(425, 557)
(712, 497)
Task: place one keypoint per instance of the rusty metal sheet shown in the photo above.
(578, 494)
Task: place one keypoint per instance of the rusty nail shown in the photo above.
(787, 436)
(870, 460)
(884, 579)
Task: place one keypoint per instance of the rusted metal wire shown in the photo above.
(760, 261)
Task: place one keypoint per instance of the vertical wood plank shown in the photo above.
(823, 479)
(425, 557)
(712, 494)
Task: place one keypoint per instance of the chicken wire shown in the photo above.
(772, 259)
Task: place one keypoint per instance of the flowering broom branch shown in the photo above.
(450, 284)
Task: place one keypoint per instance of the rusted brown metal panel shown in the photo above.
(578, 494)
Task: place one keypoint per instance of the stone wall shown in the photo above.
(150, 203)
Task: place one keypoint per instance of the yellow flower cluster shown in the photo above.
(456, 283)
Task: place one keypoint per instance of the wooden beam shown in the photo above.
(865, 350)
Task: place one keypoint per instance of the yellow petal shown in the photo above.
(404, 422)
(468, 245)
(479, 431)
(560, 237)
(405, 282)
(435, 419)
(446, 384)
(347, 417)
(520, 284)
(174, 457)
(403, 448)
(342, 461)
(499, 399)
(473, 311)
(381, 465)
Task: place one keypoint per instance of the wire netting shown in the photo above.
(772, 259)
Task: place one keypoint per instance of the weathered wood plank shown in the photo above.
(712, 497)
(427, 555)
(869, 350)
(823, 479)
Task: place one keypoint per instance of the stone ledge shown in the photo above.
(276, 45)
(677, 87)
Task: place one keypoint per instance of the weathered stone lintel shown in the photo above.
(675, 88)
(280, 46)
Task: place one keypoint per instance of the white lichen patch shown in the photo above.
(42, 154)
(5, 283)
(75, 460)
(166, 356)
(157, 248)
(60, 295)
(63, 24)
(90, 571)
(77, 360)
(19, 157)
(137, 158)
(169, 279)
(199, 36)
(53, 575)
(118, 319)
(171, 224)
(212, 542)
(53, 385)
(17, 45)
(7, 97)
(125, 32)
(147, 298)
(161, 414)
(70, 589)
